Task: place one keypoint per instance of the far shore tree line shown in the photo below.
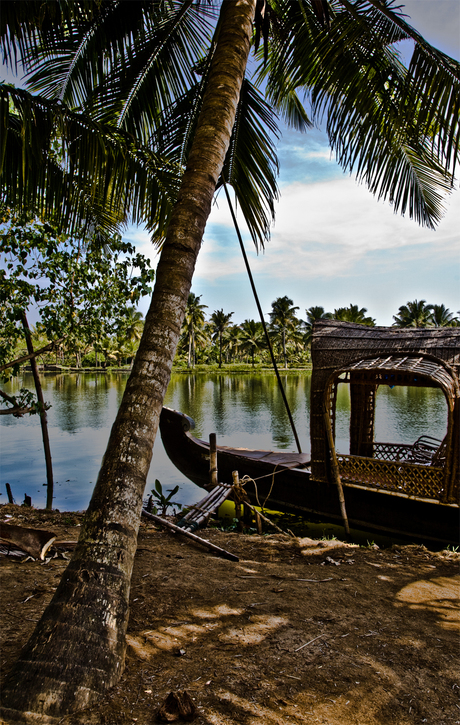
(216, 340)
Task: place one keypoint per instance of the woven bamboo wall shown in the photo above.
(338, 344)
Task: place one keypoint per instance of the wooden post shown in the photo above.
(212, 460)
(8, 491)
(236, 487)
(259, 526)
(336, 472)
(43, 416)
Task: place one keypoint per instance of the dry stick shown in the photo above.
(267, 520)
(335, 471)
(213, 460)
(307, 643)
(178, 530)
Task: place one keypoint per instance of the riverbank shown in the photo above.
(198, 369)
(298, 631)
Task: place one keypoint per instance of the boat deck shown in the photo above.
(285, 459)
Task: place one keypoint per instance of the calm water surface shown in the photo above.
(244, 410)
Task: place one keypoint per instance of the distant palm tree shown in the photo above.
(283, 319)
(313, 314)
(220, 322)
(441, 316)
(133, 325)
(252, 337)
(353, 314)
(414, 314)
(193, 320)
(231, 340)
(110, 349)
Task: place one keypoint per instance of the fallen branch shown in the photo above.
(267, 520)
(183, 532)
(31, 355)
(16, 410)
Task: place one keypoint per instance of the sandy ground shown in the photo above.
(298, 631)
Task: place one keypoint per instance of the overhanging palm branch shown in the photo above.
(370, 101)
(251, 165)
(75, 171)
(136, 57)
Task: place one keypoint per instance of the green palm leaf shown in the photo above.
(72, 170)
(371, 102)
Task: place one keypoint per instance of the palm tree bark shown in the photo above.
(78, 648)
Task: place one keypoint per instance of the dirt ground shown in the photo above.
(298, 631)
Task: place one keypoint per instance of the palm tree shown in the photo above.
(133, 325)
(314, 313)
(193, 321)
(414, 314)
(397, 128)
(282, 320)
(353, 313)
(232, 341)
(219, 323)
(441, 316)
(252, 338)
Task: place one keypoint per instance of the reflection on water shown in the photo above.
(244, 410)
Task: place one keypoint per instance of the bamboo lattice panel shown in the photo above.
(391, 451)
(407, 478)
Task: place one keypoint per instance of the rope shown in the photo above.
(247, 479)
(256, 297)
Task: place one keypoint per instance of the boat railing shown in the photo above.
(410, 479)
(391, 451)
(426, 451)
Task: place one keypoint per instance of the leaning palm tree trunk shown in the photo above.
(78, 648)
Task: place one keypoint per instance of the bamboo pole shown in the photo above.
(178, 530)
(204, 508)
(335, 471)
(43, 416)
(213, 460)
(238, 498)
(259, 515)
(262, 318)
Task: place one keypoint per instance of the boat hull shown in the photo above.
(292, 490)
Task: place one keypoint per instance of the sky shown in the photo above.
(333, 244)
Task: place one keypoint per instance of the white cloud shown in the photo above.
(327, 229)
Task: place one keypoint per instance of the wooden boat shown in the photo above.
(400, 490)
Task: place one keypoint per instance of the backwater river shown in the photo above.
(242, 409)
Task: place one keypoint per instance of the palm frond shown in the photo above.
(121, 72)
(399, 136)
(251, 165)
(74, 171)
